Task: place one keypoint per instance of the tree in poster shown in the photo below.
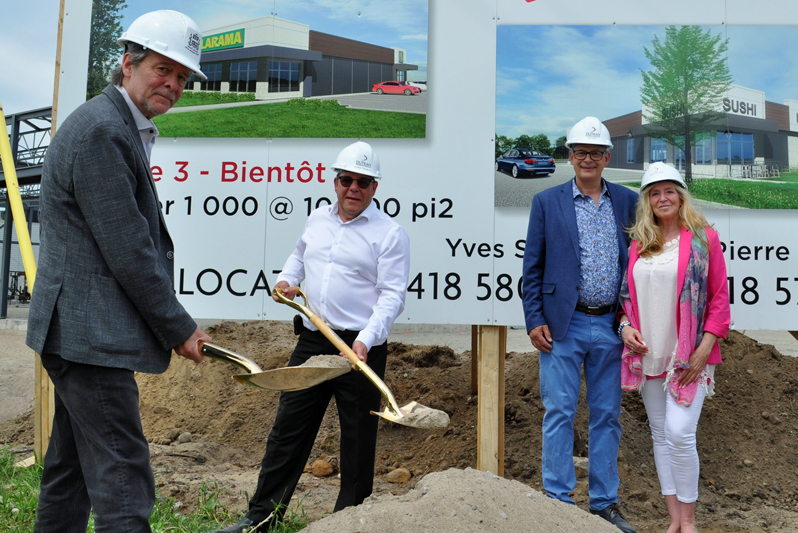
(106, 28)
(560, 150)
(683, 91)
(538, 142)
(503, 143)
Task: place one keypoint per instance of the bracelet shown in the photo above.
(620, 328)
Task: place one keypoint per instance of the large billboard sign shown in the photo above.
(236, 206)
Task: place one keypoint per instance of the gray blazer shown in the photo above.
(104, 291)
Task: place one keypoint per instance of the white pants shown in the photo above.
(673, 429)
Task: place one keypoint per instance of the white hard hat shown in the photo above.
(360, 158)
(660, 171)
(589, 130)
(171, 34)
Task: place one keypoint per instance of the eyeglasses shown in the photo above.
(595, 155)
(363, 183)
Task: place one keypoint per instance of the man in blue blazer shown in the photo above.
(576, 251)
(104, 304)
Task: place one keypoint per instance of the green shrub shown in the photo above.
(313, 104)
(206, 98)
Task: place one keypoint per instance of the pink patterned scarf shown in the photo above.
(690, 319)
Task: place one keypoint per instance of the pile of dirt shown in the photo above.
(207, 428)
(464, 501)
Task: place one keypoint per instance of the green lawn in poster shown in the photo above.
(291, 120)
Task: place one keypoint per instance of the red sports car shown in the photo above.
(395, 87)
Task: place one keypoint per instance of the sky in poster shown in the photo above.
(28, 44)
(549, 77)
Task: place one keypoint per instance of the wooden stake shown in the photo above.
(490, 418)
(44, 395)
(474, 359)
(57, 78)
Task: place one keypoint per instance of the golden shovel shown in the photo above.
(413, 414)
(289, 378)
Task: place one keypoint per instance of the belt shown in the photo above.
(595, 311)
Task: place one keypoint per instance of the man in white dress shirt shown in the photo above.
(354, 261)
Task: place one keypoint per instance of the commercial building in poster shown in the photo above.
(277, 58)
(755, 137)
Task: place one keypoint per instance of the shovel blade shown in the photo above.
(290, 378)
(415, 415)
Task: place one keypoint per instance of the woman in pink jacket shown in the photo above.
(675, 302)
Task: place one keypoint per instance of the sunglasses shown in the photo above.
(363, 183)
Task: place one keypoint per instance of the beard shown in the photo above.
(151, 109)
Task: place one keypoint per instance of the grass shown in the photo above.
(289, 119)
(747, 194)
(789, 177)
(19, 493)
(751, 195)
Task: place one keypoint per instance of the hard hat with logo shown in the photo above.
(589, 130)
(171, 34)
(360, 158)
(660, 171)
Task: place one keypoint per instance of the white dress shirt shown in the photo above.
(355, 272)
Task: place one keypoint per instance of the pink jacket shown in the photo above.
(718, 314)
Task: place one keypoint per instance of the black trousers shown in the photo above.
(299, 417)
(98, 456)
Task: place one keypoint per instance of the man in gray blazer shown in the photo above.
(575, 253)
(104, 305)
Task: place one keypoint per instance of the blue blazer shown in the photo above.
(104, 292)
(551, 255)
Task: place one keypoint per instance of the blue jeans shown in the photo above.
(98, 456)
(592, 343)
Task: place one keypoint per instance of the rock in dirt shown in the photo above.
(582, 467)
(465, 501)
(322, 467)
(400, 475)
(424, 418)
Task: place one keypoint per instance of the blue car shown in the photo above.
(525, 161)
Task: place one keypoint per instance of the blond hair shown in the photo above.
(646, 231)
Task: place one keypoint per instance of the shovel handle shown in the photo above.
(327, 331)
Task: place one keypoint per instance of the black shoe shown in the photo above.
(245, 524)
(612, 515)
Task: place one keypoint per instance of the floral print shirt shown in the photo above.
(598, 248)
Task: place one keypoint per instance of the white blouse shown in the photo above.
(656, 286)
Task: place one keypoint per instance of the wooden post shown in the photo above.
(474, 359)
(54, 113)
(44, 401)
(490, 418)
(44, 407)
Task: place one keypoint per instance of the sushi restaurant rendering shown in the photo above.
(753, 137)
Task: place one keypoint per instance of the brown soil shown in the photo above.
(747, 435)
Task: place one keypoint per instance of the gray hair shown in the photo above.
(137, 55)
